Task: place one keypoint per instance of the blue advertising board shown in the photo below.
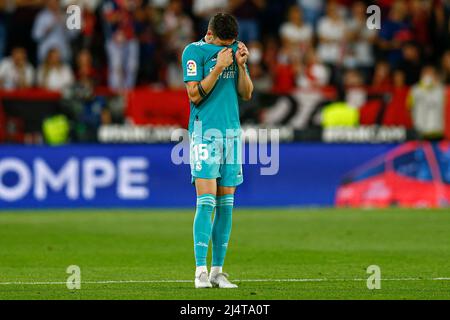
(134, 176)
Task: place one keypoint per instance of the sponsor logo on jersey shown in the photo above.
(191, 68)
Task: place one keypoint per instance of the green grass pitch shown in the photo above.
(274, 254)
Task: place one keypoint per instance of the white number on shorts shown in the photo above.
(200, 152)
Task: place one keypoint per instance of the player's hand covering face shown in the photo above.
(242, 54)
(224, 58)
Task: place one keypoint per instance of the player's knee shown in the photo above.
(222, 191)
(205, 186)
(202, 193)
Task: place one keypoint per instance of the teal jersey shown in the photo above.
(219, 110)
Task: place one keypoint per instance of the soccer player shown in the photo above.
(216, 77)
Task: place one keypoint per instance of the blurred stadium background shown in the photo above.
(115, 89)
(86, 118)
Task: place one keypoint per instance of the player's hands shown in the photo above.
(224, 58)
(242, 54)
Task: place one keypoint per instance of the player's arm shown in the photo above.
(198, 90)
(245, 84)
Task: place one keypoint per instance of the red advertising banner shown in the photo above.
(160, 107)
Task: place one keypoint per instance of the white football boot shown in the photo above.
(220, 280)
(202, 281)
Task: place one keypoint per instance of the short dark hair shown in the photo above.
(224, 26)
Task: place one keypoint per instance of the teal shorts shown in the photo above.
(219, 159)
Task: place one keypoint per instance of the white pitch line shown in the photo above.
(236, 280)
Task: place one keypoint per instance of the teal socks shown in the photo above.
(221, 229)
(202, 227)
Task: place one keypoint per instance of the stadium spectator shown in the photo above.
(398, 79)
(284, 69)
(284, 78)
(295, 34)
(50, 31)
(419, 16)
(381, 79)
(355, 94)
(150, 49)
(427, 103)
(446, 67)
(439, 28)
(53, 74)
(86, 110)
(158, 4)
(272, 17)
(3, 28)
(177, 26)
(339, 114)
(332, 36)
(271, 46)
(5, 10)
(394, 33)
(247, 12)
(360, 47)
(262, 81)
(22, 15)
(174, 77)
(312, 10)
(85, 72)
(205, 9)
(314, 73)
(15, 71)
(122, 45)
(411, 63)
(88, 8)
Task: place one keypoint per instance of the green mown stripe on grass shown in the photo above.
(276, 244)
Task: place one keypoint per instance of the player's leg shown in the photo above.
(131, 63)
(204, 175)
(206, 201)
(221, 232)
(115, 58)
(222, 226)
(231, 176)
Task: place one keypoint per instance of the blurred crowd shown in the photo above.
(303, 43)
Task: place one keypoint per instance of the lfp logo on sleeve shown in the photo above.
(191, 68)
